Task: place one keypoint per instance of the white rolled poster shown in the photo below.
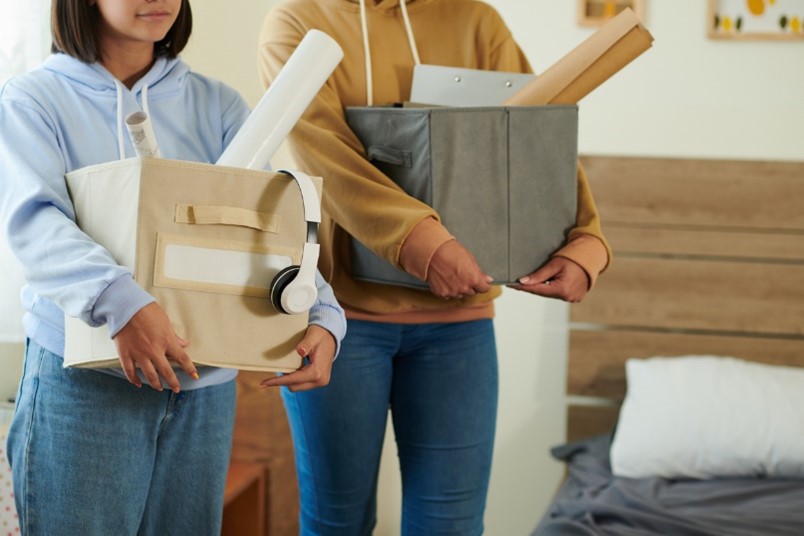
(142, 134)
(283, 103)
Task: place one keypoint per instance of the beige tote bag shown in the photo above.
(206, 241)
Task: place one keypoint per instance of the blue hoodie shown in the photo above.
(67, 115)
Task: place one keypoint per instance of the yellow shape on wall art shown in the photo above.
(756, 19)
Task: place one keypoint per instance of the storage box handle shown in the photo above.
(389, 155)
(223, 215)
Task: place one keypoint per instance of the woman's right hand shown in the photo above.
(454, 273)
(148, 341)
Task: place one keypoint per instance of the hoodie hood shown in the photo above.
(166, 75)
(75, 98)
(92, 80)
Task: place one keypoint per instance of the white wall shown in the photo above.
(24, 41)
(686, 96)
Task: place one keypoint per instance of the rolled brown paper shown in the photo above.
(613, 46)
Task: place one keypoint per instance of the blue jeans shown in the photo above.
(92, 454)
(440, 383)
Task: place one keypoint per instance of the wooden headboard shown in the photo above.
(708, 259)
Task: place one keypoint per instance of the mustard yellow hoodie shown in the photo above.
(358, 199)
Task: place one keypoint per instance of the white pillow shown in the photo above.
(705, 416)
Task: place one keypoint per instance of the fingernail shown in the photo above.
(524, 280)
(194, 375)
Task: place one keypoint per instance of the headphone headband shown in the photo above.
(293, 290)
(310, 200)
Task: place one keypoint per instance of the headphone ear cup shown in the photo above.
(280, 282)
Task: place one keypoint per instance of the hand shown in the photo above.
(454, 273)
(560, 278)
(148, 341)
(318, 346)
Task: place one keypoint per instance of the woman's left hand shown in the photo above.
(560, 278)
(318, 346)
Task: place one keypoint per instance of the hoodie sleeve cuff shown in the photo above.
(119, 302)
(588, 252)
(327, 312)
(420, 246)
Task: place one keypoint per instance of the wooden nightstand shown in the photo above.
(244, 500)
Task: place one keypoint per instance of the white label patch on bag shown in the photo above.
(213, 265)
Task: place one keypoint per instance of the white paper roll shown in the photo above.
(297, 83)
(142, 134)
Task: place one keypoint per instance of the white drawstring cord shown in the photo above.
(145, 100)
(121, 148)
(366, 53)
(150, 121)
(367, 49)
(409, 30)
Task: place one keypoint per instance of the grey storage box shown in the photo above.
(503, 179)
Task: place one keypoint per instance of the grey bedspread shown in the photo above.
(594, 502)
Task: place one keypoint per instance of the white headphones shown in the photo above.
(293, 289)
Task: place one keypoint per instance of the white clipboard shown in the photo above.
(456, 86)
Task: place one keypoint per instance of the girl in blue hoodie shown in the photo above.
(91, 451)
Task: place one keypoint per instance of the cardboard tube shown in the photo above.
(298, 82)
(595, 60)
(142, 134)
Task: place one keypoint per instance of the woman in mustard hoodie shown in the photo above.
(429, 356)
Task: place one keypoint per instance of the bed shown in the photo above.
(703, 313)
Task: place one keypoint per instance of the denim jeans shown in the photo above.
(440, 382)
(93, 455)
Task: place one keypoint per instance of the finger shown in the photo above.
(467, 292)
(308, 377)
(279, 381)
(302, 375)
(266, 381)
(131, 372)
(538, 277)
(166, 371)
(297, 385)
(284, 378)
(478, 289)
(486, 282)
(551, 290)
(181, 357)
(149, 371)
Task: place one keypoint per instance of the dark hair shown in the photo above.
(75, 27)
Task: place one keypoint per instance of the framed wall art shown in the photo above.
(596, 12)
(755, 19)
